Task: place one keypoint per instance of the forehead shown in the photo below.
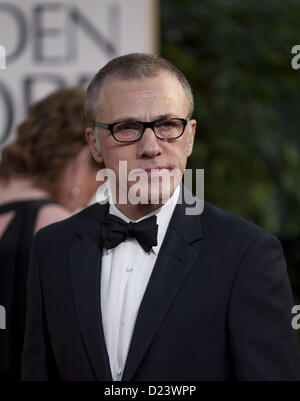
(142, 98)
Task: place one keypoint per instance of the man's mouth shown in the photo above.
(157, 170)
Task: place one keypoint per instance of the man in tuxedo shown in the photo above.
(143, 290)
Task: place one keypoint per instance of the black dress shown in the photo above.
(15, 245)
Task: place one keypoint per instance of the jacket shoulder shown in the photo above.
(65, 227)
(224, 224)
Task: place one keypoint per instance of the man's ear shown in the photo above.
(190, 136)
(94, 144)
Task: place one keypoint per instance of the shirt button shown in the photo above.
(129, 268)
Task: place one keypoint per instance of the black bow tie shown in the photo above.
(115, 230)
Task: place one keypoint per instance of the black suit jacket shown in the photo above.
(217, 306)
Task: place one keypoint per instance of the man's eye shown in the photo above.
(128, 127)
(167, 124)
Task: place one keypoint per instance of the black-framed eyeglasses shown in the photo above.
(166, 129)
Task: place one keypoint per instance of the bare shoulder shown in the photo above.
(49, 214)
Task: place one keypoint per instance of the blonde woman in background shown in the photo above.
(46, 174)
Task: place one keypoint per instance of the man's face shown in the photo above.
(147, 99)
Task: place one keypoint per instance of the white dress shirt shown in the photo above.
(125, 273)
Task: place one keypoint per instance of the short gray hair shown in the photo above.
(133, 66)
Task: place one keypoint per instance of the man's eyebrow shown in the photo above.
(160, 117)
(124, 119)
(169, 115)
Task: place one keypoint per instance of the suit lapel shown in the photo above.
(85, 268)
(174, 261)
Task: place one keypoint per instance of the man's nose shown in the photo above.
(149, 145)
